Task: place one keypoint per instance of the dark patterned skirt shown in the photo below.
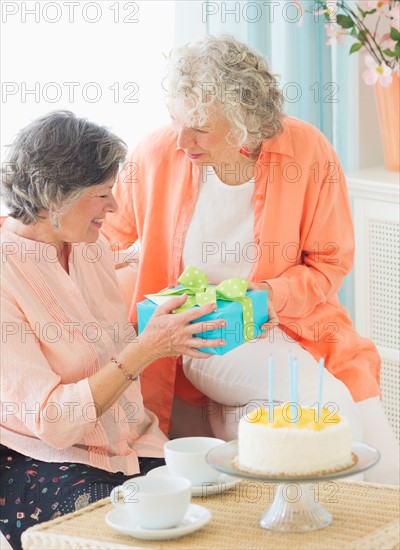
(33, 491)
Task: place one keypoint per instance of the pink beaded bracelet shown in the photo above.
(128, 376)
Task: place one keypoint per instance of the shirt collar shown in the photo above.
(282, 143)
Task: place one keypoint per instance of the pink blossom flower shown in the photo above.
(378, 5)
(381, 63)
(386, 42)
(331, 10)
(377, 73)
(335, 33)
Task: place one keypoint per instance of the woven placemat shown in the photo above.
(365, 516)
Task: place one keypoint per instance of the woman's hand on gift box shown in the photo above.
(273, 320)
(170, 334)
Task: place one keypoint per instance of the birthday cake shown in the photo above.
(278, 446)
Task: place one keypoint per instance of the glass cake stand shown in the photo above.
(295, 507)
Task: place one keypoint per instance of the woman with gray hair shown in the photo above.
(73, 423)
(238, 189)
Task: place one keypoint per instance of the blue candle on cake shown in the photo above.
(320, 384)
(271, 375)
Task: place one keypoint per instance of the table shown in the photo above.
(365, 516)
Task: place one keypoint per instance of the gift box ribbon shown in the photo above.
(195, 285)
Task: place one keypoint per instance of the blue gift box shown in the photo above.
(231, 312)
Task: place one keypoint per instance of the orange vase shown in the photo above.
(388, 104)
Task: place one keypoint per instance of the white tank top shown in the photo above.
(220, 236)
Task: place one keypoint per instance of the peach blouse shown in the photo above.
(57, 330)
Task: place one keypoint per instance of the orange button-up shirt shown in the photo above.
(302, 230)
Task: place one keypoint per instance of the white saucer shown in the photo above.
(195, 518)
(223, 483)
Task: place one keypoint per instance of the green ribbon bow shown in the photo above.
(195, 285)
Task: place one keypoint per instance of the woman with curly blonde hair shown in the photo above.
(238, 189)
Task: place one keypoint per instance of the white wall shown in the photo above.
(370, 149)
(101, 59)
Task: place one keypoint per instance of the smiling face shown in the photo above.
(207, 143)
(81, 222)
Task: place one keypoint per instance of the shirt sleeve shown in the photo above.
(120, 229)
(32, 394)
(327, 254)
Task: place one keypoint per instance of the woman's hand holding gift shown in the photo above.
(273, 320)
(172, 334)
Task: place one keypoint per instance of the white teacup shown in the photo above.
(154, 502)
(186, 457)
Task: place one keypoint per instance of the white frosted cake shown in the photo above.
(278, 446)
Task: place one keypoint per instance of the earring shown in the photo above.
(55, 221)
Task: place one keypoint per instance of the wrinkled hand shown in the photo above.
(273, 320)
(169, 334)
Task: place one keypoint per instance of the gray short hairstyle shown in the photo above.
(51, 162)
(223, 72)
